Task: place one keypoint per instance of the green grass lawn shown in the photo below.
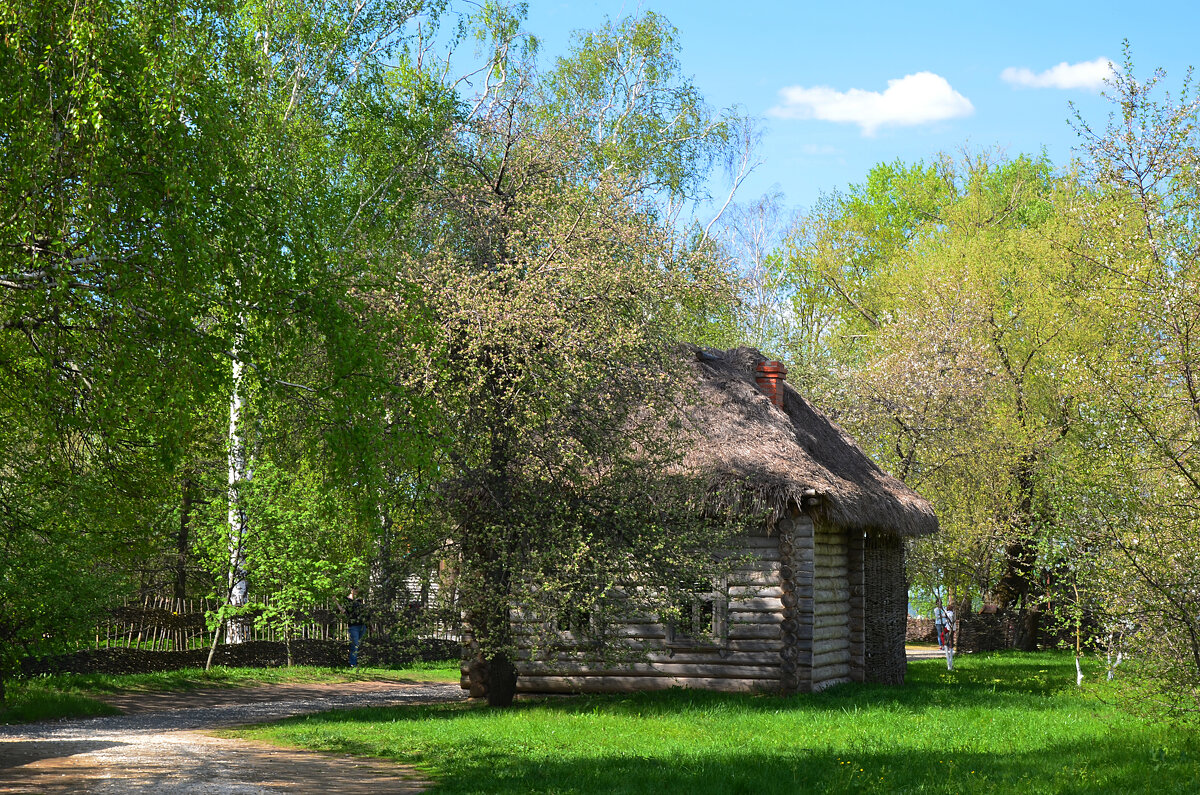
(1001, 723)
(74, 695)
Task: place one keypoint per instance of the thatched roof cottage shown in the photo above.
(823, 599)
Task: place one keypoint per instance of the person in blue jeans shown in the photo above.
(356, 616)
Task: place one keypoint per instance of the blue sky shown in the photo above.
(943, 60)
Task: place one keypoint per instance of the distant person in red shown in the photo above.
(356, 616)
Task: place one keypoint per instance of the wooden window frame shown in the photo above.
(718, 634)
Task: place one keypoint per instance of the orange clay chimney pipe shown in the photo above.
(769, 377)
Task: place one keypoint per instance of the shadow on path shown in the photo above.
(159, 746)
(143, 702)
(24, 752)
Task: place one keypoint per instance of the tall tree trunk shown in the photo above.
(1021, 555)
(493, 622)
(489, 541)
(502, 681)
(493, 674)
(383, 575)
(239, 474)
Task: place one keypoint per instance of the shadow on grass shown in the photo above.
(30, 707)
(854, 738)
(981, 684)
(186, 679)
(1112, 766)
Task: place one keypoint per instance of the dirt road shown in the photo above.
(159, 746)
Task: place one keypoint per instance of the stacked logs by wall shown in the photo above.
(796, 552)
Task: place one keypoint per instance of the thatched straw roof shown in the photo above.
(741, 441)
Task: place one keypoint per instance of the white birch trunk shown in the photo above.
(239, 473)
(1112, 666)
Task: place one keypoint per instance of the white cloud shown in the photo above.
(1085, 74)
(913, 99)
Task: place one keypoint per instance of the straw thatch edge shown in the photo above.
(756, 456)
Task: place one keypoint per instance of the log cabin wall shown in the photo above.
(744, 654)
(831, 657)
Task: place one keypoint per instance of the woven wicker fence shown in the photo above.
(158, 623)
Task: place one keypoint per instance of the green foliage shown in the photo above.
(302, 543)
(54, 581)
(1018, 344)
(1135, 493)
(103, 265)
(156, 226)
(949, 314)
(637, 116)
(999, 723)
(403, 290)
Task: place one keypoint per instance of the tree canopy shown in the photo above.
(281, 294)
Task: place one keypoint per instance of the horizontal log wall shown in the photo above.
(814, 608)
(746, 658)
(628, 684)
(831, 652)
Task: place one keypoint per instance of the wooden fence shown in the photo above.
(158, 623)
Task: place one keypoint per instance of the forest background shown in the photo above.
(292, 299)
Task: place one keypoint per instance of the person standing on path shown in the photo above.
(356, 616)
(939, 623)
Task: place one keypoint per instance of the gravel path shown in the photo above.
(158, 746)
(923, 653)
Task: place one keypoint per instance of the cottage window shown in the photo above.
(695, 616)
(575, 620)
(698, 616)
